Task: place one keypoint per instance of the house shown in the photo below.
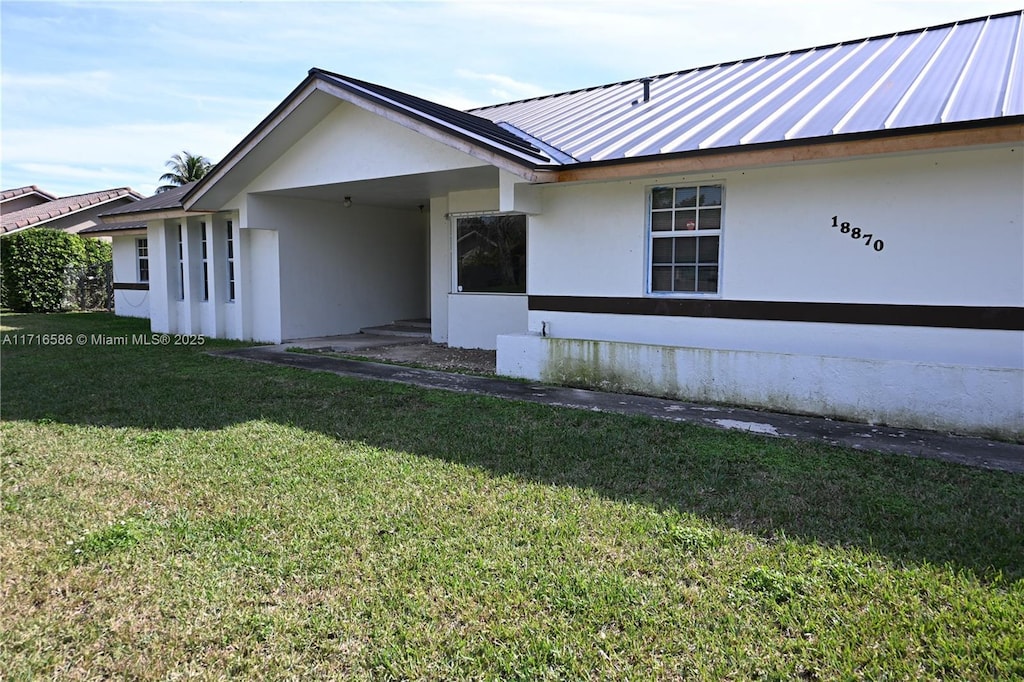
(130, 250)
(30, 206)
(12, 200)
(835, 231)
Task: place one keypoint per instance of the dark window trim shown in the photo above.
(956, 317)
(457, 267)
(131, 286)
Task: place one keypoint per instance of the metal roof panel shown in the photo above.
(871, 108)
(925, 100)
(824, 117)
(1014, 100)
(956, 73)
(976, 94)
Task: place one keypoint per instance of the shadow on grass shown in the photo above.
(911, 510)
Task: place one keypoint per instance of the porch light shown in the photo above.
(347, 202)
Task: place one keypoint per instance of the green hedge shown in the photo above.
(38, 264)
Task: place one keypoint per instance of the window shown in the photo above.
(231, 261)
(181, 267)
(142, 255)
(686, 233)
(205, 260)
(490, 254)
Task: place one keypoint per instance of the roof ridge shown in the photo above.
(16, 192)
(111, 190)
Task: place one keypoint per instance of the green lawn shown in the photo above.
(169, 514)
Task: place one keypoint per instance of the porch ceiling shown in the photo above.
(404, 191)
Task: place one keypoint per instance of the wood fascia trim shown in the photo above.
(824, 151)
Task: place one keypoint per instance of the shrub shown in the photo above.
(38, 264)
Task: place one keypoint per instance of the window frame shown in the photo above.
(229, 258)
(651, 235)
(204, 253)
(181, 263)
(454, 223)
(141, 243)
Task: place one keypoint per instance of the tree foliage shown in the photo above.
(184, 168)
(37, 264)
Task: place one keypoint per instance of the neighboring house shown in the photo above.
(835, 231)
(12, 200)
(27, 207)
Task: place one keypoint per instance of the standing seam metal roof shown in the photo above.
(963, 72)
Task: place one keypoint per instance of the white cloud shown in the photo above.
(504, 88)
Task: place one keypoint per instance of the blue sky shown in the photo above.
(100, 94)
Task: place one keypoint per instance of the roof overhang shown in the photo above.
(122, 231)
(162, 214)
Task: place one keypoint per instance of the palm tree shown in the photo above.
(185, 168)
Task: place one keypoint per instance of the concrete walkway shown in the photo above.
(975, 452)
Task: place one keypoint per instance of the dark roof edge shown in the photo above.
(755, 58)
(104, 229)
(351, 85)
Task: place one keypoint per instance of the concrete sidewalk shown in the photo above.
(975, 452)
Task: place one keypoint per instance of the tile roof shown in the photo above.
(37, 215)
(960, 73)
(22, 191)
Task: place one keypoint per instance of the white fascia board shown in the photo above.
(481, 151)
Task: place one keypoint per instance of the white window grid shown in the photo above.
(142, 258)
(684, 249)
(181, 266)
(204, 257)
(230, 256)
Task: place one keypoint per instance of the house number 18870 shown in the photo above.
(857, 233)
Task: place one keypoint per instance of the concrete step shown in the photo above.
(405, 328)
(420, 322)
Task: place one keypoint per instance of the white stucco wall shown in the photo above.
(342, 269)
(476, 320)
(966, 399)
(440, 269)
(953, 227)
(162, 268)
(216, 317)
(128, 302)
(261, 282)
(939, 214)
(352, 144)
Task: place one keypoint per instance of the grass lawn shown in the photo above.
(169, 514)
